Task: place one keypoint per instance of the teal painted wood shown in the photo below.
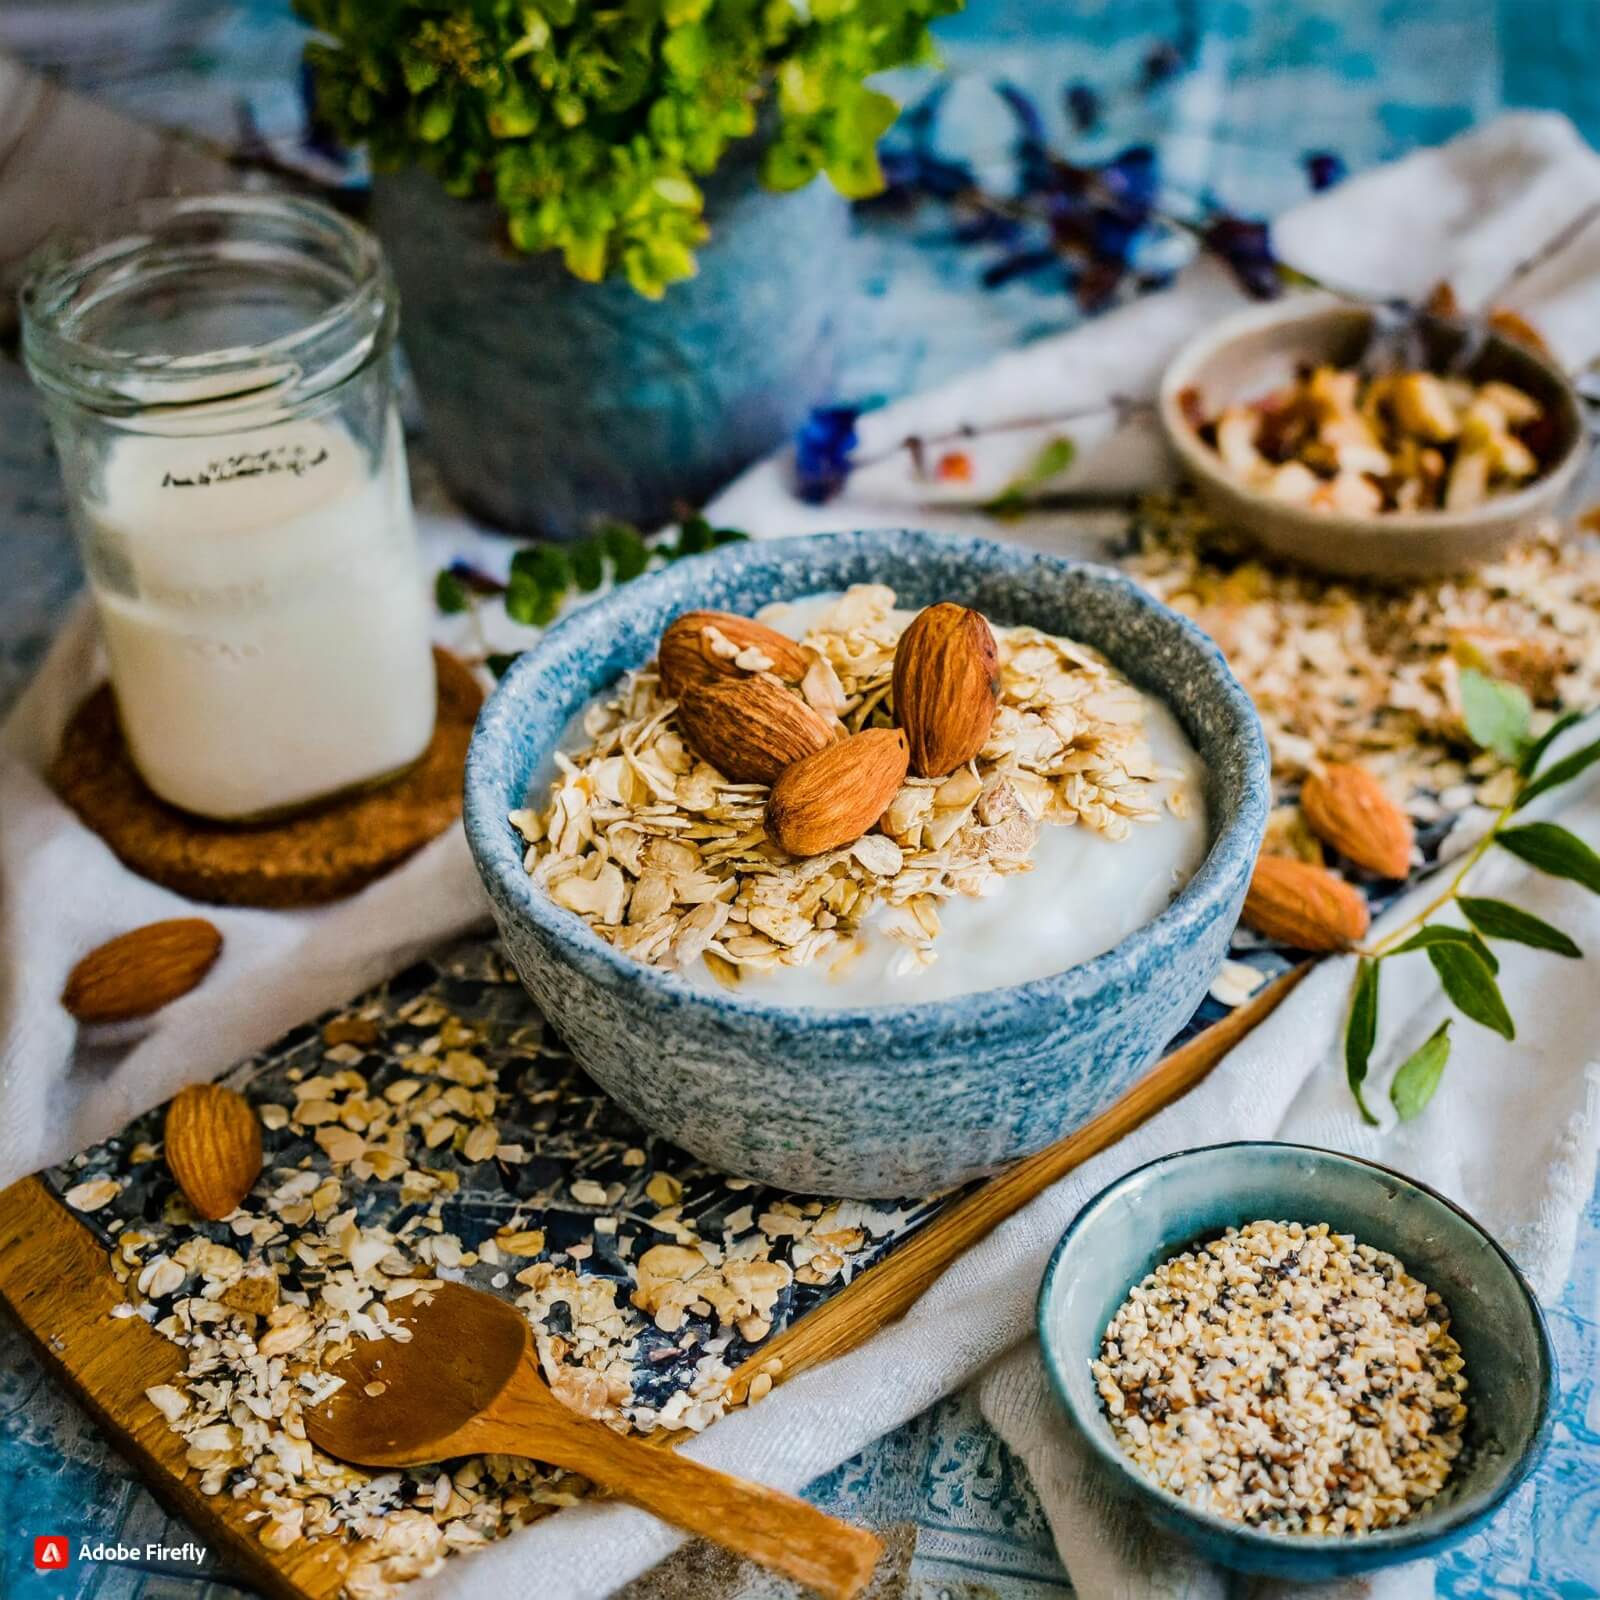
(1369, 78)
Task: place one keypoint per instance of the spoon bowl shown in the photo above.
(463, 1379)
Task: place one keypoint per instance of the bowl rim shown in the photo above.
(1309, 307)
(1217, 878)
(1411, 1537)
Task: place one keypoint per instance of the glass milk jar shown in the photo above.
(218, 374)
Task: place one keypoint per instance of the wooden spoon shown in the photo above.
(467, 1382)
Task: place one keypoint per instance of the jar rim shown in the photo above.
(80, 270)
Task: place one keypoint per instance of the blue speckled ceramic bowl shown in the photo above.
(892, 1100)
(1154, 1212)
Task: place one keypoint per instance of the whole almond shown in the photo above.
(831, 798)
(1346, 807)
(750, 729)
(140, 971)
(213, 1144)
(688, 655)
(1303, 906)
(946, 687)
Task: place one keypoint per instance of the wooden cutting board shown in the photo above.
(55, 1277)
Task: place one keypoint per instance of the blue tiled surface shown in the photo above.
(1369, 78)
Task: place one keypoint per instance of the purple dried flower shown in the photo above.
(1131, 178)
(822, 451)
(1083, 107)
(1245, 246)
(1033, 158)
(1324, 168)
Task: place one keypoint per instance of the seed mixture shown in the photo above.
(668, 860)
(1338, 439)
(1287, 1377)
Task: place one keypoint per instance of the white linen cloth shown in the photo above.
(1511, 1134)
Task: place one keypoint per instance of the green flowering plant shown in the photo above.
(592, 124)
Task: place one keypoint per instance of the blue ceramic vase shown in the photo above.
(550, 402)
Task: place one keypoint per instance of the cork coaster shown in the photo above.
(302, 861)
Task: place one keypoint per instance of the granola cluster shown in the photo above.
(669, 860)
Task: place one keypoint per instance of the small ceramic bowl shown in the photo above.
(1249, 355)
(1158, 1210)
(895, 1099)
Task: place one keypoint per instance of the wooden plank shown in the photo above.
(884, 1293)
(55, 1278)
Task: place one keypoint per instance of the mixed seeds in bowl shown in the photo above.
(1287, 1377)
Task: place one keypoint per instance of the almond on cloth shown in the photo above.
(142, 970)
(750, 728)
(701, 646)
(946, 687)
(213, 1147)
(831, 798)
(1346, 807)
(1304, 906)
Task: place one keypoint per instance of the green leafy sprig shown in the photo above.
(1498, 718)
(544, 576)
(592, 126)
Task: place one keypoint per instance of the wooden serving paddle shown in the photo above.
(467, 1382)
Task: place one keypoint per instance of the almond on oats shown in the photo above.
(946, 687)
(832, 797)
(1347, 808)
(213, 1144)
(750, 728)
(701, 646)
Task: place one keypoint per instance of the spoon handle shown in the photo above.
(764, 1525)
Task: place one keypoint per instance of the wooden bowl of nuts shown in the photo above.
(1354, 456)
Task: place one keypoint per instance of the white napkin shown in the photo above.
(1511, 1134)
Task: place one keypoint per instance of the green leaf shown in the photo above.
(546, 564)
(1553, 849)
(1442, 933)
(1494, 919)
(588, 564)
(450, 593)
(1361, 1031)
(1536, 750)
(628, 553)
(1471, 987)
(530, 602)
(1497, 714)
(1419, 1074)
(1051, 462)
(1563, 771)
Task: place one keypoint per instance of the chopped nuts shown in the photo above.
(1341, 441)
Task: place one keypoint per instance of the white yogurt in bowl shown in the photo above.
(1077, 823)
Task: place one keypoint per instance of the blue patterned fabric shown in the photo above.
(1271, 81)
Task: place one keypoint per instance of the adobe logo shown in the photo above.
(51, 1553)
